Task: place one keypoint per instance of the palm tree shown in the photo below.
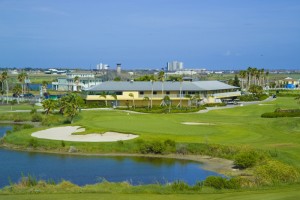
(115, 98)
(21, 78)
(73, 102)
(44, 86)
(103, 94)
(180, 91)
(4, 77)
(49, 105)
(17, 90)
(167, 101)
(161, 77)
(76, 81)
(152, 82)
(147, 99)
(243, 75)
(132, 95)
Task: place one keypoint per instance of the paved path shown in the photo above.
(244, 103)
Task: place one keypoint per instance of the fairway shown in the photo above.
(235, 126)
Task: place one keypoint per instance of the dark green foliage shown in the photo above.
(155, 147)
(33, 143)
(33, 111)
(219, 183)
(63, 144)
(274, 172)
(252, 97)
(179, 186)
(181, 149)
(18, 119)
(246, 159)
(36, 117)
(214, 104)
(282, 113)
(28, 180)
(163, 109)
(27, 126)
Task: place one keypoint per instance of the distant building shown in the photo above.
(122, 93)
(68, 83)
(289, 83)
(102, 66)
(55, 71)
(174, 66)
(118, 68)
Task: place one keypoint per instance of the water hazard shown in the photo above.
(84, 170)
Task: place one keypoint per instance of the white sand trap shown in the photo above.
(197, 123)
(65, 133)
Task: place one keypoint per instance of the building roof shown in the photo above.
(167, 86)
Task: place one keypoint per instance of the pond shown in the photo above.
(84, 170)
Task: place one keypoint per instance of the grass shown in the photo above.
(283, 193)
(236, 126)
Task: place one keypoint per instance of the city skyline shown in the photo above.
(147, 34)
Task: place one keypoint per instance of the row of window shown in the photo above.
(156, 92)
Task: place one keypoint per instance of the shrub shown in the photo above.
(216, 182)
(36, 117)
(33, 111)
(63, 144)
(155, 147)
(215, 104)
(246, 159)
(273, 172)
(33, 143)
(282, 113)
(179, 186)
(219, 182)
(27, 126)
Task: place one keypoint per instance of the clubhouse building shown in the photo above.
(125, 93)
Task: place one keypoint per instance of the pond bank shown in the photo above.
(219, 165)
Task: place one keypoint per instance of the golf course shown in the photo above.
(238, 128)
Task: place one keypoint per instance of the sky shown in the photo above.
(211, 34)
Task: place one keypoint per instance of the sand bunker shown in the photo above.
(65, 133)
(197, 123)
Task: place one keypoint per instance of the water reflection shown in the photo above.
(83, 170)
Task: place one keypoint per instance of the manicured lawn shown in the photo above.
(240, 126)
(287, 193)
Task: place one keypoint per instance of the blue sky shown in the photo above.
(212, 34)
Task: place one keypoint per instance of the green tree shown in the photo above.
(236, 81)
(21, 77)
(132, 95)
(76, 81)
(4, 77)
(256, 89)
(147, 99)
(72, 103)
(161, 77)
(118, 78)
(49, 105)
(17, 90)
(44, 86)
(103, 94)
(115, 98)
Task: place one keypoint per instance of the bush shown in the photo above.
(246, 159)
(33, 143)
(36, 117)
(179, 186)
(219, 182)
(215, 104)
(273, 172)
(27, 126)
(155, 147)
(282, 113)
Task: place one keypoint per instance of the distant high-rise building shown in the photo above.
(118, 68)
(102, 66)
(174, 66)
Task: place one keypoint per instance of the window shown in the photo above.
(119, 93)
(167, 92)
(154, 92)
(141, 93)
